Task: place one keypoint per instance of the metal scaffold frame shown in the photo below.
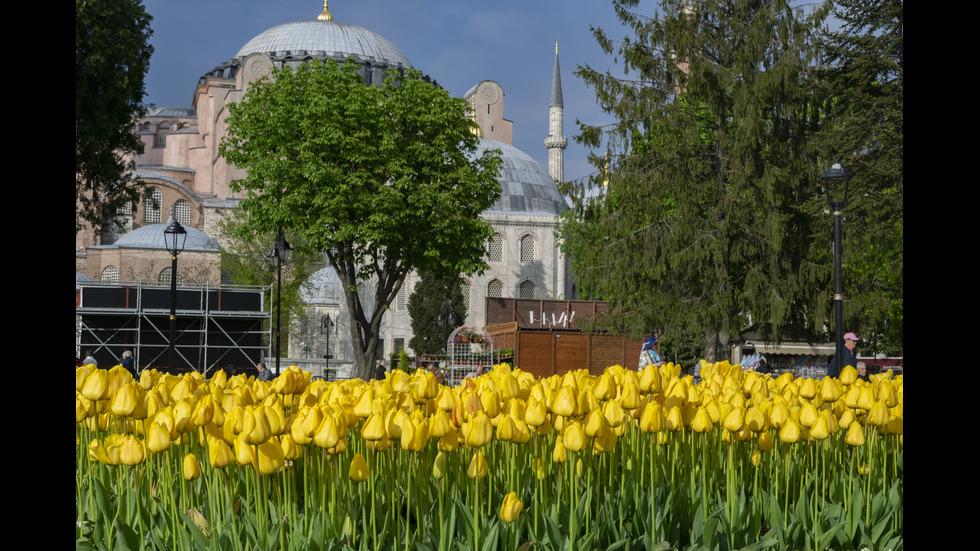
(216, 324)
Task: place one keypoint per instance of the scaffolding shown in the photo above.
(216, 325)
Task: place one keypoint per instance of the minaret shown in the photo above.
(555, 142)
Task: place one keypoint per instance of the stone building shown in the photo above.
(191, 181)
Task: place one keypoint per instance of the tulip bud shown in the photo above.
(855, 435)
(439, 466)
(478, 466)
(511, 507)
(192, 469)
(560, 453)
(358, 471)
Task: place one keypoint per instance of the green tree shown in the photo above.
(702, 226)
(112, 56)
(246, 262)
(432, 299)
(863, 80)
(383, 179)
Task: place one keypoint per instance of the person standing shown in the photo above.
(89, 359)
(649, 355)
(127, 362)
(849, 356)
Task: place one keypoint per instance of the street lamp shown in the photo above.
(448, 320)
(832, 178)
(326, 324)
(175, 237)
(278, 256)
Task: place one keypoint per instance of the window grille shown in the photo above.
(495, 289)
(527, 249)
(110, 275)
(526, 289)
(151, 207)
(496, 252)
(182, 212)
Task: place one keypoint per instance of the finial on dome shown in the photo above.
(556, 45)
(325, 16)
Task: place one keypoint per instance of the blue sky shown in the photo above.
(459, 43)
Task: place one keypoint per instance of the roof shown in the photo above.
(526, 187)
(332, 38)
(151, 237)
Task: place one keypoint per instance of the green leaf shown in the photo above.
(126, 538)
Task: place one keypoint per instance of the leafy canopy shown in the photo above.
(702, 224)
(383, 179)
(112, 56)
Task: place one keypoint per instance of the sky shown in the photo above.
(457, 42)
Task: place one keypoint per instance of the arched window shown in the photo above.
(496, 249)
(527, 249)
(495, 289)
(526, 289)
(182, 212)
(110, 274)
(152, 207)
(164, 276)
(466, 295)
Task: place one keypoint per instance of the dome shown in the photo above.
(526, 187)
(151, 237)
(332, 38)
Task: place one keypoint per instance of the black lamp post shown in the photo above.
(326, 324)
(277, 257)
(837, 198)
(448, 320)
(175, 236)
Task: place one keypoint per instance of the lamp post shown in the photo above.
(326, 324)
(278, 256)
(447, 319)
(175, 237)
(832, 177)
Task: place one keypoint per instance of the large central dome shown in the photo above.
(332, 38)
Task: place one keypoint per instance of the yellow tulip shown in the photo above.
(574, 436)
(327, 434)
(735, 420)
(652, 420)
(478, 431)
(158, 437)
(565, 403)
(855, 435)
(674, 420)
(131, 451)
(596, 424)
(790, 432)
(511, 507)
(808, 415)
(820, 430)
(290, 449)
(95, 385)
(878, 416)
(560, 453)
(270, 457)
(192, 469)
(478, 466)
(848, 375)
(358, 471)
(702, 421)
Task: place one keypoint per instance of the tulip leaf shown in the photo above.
(490, 543)
(126, 538)
(823, 541)
(84, 544)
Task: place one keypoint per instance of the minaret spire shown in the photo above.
(556, 142)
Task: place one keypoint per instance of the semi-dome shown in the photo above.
(152, 237)
(325, 39)
(526, 188)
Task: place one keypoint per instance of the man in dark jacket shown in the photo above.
(850, 357)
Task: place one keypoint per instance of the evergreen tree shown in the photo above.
(862, 78)
(696, 221)
(431, 301)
